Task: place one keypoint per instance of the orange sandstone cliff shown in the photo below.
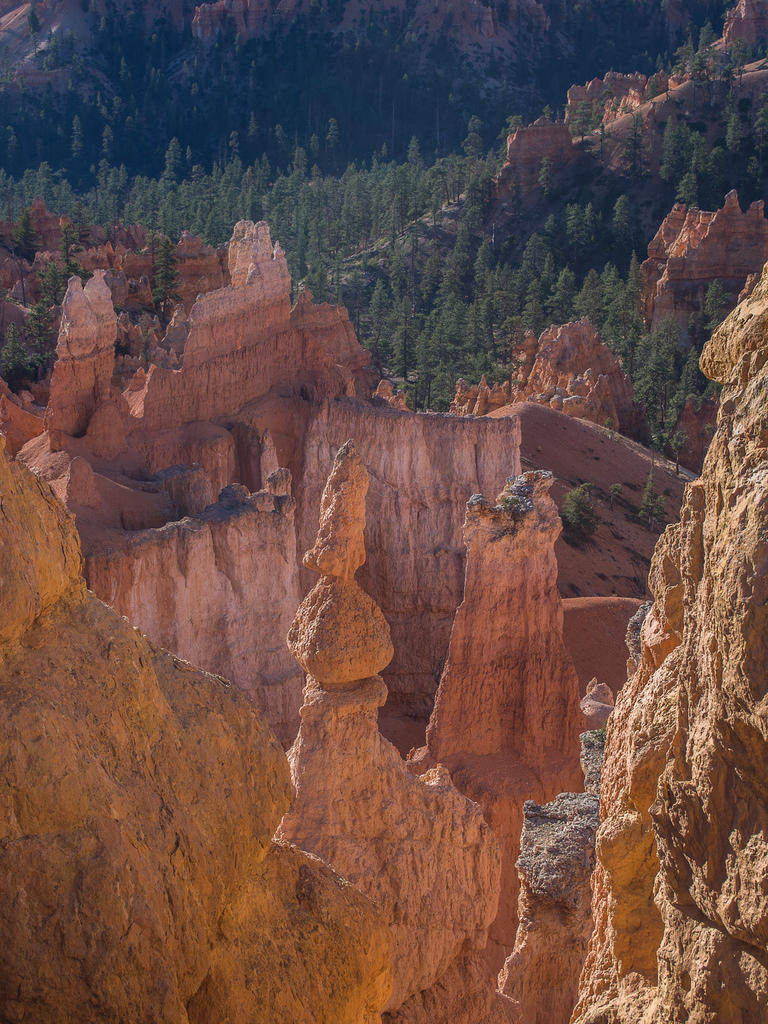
(132, 890)
(418, 848)
(681, 916)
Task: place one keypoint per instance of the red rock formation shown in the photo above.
(419, 849)
(506, 717)
(239, 378)
(478, 399)
(615, 95)
(680, 912)
(557, 856)
(528, 147)
(747, 22)
(693, 248)
(423, 470)
(17, 424)
(138, 874)
(597, 704)
(386, 392)
(244, 549)
(569, 369)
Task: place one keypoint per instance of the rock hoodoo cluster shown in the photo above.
(418, 848)
(680, 917)
(506, 717)
(693, 248)
(130, 888)
(258, 385)
(528, 147)
(617, 94)
(570, 369)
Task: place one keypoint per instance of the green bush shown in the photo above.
(580, 520)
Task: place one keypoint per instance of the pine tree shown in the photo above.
(578, 514)
(24, 237)
(165, 278)
(652, 504)
(14, 359)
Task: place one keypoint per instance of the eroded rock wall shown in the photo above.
(680, 912)
(693, 248)
(219, 589)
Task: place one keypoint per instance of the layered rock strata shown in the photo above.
(506, 717)
(693, 248)
(418, 848)
(557, 856)
(680, 911)
(132, 889)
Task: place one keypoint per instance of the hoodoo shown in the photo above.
(506, 721)
(416, 846)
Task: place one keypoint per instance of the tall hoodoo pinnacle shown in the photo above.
(339, 635)
(416, 846)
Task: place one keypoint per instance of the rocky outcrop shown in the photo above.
(387, 393)
(478, 399)
(611, 96)
(557, 856)
(85, 355)
(747, 22)
(418, 848)
(506, 717)
(597, 704)
(131, 888)
(19, 421)
(569, 369)
(680, 915)
(527, 148)
(693, 248)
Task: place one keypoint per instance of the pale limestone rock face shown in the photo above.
(506, 718)
(418, 848)
(219, 588)
(680, 912)
(139, 796)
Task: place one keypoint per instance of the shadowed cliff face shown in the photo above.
(681, 916)
(139, 797)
